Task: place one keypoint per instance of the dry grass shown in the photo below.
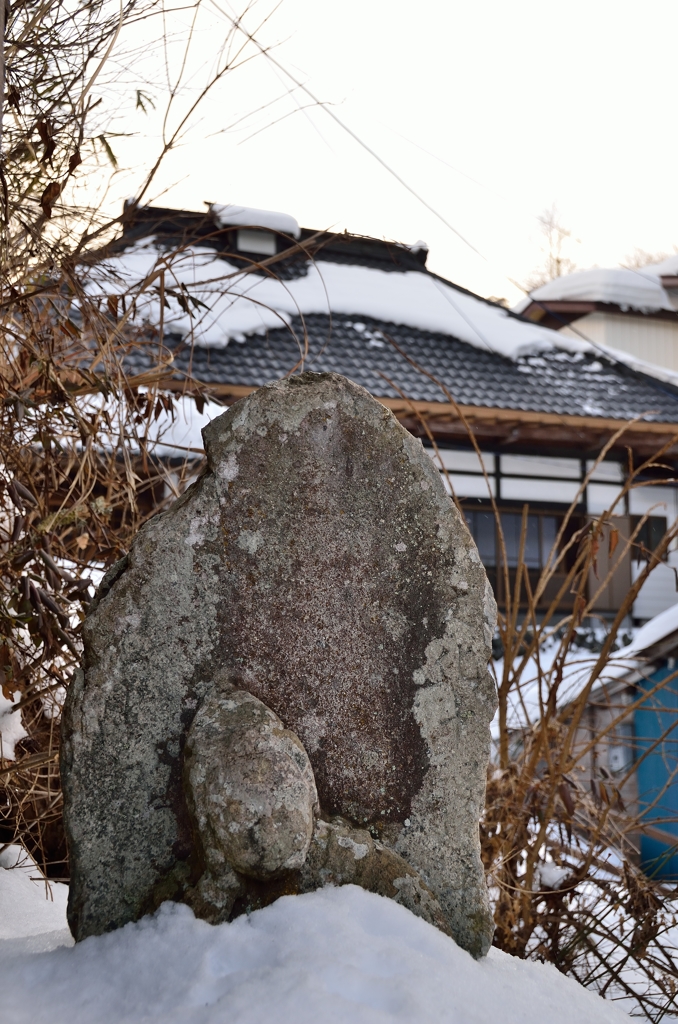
(559, 843)
(79, 472)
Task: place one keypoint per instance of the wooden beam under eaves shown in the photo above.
(492, 426)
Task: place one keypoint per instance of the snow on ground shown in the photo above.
(336, 956)
(11, 726)
(28, 907)
(221, 304)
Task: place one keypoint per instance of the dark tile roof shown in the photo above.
(553, 381)
(175, 228)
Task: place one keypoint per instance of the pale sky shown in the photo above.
(491, 111)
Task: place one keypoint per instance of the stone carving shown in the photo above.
(319, 567)
(250, 787)
(343, 855)
(339, 854)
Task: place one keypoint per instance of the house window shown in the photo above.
(620, 753)
(262, 243)
(649, 536)
(540, 537)
(484, 533)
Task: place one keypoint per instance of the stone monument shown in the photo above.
(285, 680)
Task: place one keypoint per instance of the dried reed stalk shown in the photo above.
(79, 433)
(559, 842)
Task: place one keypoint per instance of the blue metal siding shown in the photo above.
(656, 732)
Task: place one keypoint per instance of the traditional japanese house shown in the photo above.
(242, 297)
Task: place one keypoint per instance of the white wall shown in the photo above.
(659, 592)
(603, 497)
(653, 340)
(462, 462)
(466, 486)
(562, 492)
(464, 472)
(656, 501)
(539, 465)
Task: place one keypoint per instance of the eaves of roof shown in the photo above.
(559, 313)
(586, 432)
(664, 648)
(556, 399)
(447, 411)
(181, 227)
(577, 397)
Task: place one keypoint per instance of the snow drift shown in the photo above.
(340, 956)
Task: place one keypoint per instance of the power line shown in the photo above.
(236, 22)
(349, 131)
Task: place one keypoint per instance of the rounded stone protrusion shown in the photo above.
(318, 564)
(249, 786)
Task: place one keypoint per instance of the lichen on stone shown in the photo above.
(320, 569)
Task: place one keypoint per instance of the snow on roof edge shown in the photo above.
(234, 304)
(637, 288)
(660, 373)
(664, 268)
(251, 217)
(626, 287)
(653, 632)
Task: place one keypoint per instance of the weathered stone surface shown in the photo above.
(339, 854)
(320, 566)
(249, 787)
(343, 855)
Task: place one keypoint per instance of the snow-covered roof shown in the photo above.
(626, 665)
(215, 294)
(665, 268)
(653, 632)
(227, 304)
(639, 289)
(249, 217)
